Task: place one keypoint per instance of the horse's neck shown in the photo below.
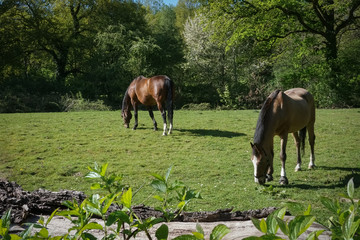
(265, 137)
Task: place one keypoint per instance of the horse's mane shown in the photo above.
(125, 102)
(126, 95)
(263, 117)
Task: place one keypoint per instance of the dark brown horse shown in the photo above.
(157, 90)
(282, 113)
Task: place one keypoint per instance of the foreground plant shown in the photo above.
(345, 220)
(292, 229)
(172, 191)
(123, 222)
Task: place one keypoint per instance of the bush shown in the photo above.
(78, 103)
(194, 106)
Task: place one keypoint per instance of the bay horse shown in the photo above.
(157, 90)
(282, 113)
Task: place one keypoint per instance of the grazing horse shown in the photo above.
(282, 113)
(157, 90)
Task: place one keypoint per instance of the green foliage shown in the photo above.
(127, 223)
(78, 103)
(344, 224)
(183, 195)
(292, 229)
(345, 220)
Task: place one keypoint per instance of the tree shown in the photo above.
(270, 23)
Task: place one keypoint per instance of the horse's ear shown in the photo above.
(255, 147)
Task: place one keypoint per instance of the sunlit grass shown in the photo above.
(209, 151)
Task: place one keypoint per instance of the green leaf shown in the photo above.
(93, 175)
(44, 233)
(162, 232)
(126, 198)
(159, 177)
(314, 235)
(350, 188)
(198, 235)
(89, 236)
(167, 174)
(199, 229)
(95, 186)
(299, 225)
(219, 232)
(103, 169)
(15, 237)
(308, 211)
(271, 222)
(263, 226)
(92, 225)
(157, 197)
(114, 216)
(185, 237)
(283, 226)
(256, 223)
(159, 185)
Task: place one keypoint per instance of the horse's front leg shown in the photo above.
(135, 116)
(163, 114)
(283, 178)
(312, 144)
(152, 117)
(297, 144)
(270, 171)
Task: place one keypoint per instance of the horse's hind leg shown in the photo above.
(135, 116)
(297, 144)
(170, 115)
(283, 178)
(152, 117)
(163, 114)
(312, 145)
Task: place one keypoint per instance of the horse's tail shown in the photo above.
(302, 135)
(170, 97)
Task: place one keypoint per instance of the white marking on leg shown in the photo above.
(312, 162)
(164, 133)
(283, 173)
(170, 128)
(255, 169)
(298, 167)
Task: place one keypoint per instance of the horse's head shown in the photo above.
(261, 161)
(126, 115)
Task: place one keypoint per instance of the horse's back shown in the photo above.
(298, 108)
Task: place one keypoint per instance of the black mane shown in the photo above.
(263, 117)
(125, 102)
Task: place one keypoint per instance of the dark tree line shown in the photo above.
(229, 54)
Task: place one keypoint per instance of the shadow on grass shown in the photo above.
(341, 183)
(212, 132)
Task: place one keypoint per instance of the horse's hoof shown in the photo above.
(283, 181)
(297, 169)
(164, 134)
(269, 178)
(311, 166)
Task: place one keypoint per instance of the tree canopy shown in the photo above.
(229, 54)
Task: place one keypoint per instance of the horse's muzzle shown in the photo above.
(260, 180)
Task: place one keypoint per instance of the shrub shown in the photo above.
(78, 103)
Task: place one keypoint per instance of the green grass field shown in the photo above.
(209, 151)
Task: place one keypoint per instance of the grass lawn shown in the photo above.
(209, 151)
